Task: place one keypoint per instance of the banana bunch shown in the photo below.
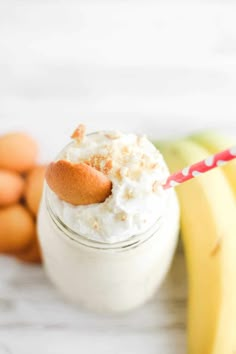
(208, 228)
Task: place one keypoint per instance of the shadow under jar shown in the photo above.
(107, 277)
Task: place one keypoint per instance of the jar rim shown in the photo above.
(131, 242)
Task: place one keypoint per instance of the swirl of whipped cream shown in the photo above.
(137, 171)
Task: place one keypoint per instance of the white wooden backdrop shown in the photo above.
(156, 67)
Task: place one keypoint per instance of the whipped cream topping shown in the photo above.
(137, 171)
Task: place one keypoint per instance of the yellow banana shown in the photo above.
(214, 142)
(208, 227)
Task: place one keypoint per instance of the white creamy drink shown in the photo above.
(113, 255)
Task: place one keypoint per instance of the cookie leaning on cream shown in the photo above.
(119, 249)
(78, 183)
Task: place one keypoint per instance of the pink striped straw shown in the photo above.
(198, 168)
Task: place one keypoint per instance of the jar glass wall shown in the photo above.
(102, 276)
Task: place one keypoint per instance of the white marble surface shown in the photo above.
(156, 67)
(35, 319)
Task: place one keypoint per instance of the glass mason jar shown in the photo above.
(102, 276)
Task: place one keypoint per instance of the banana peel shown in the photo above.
(208, 228)
(214, 142)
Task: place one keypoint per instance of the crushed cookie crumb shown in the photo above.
(122, 216)
(125, 150)
(112, 136)
(142, 163)
(139, 139)
(155, 186)
(135, 174)
(107, 167)
(79, 133)
(100, 163)
(118, 174)
(153, 166)
(128, 194)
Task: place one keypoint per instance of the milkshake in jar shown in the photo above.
(108, 230)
